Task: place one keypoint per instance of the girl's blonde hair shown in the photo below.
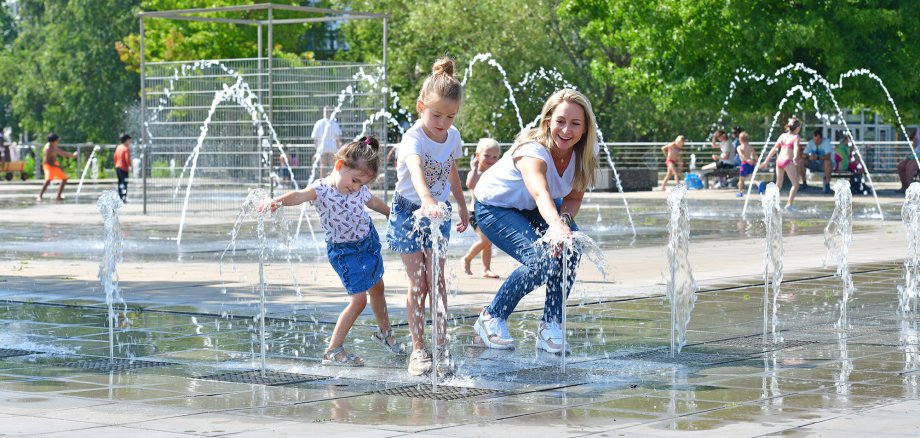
(441, 83)
(584, 149)
(361, 154)
(743, 136)
(486, 144)
(679, 138)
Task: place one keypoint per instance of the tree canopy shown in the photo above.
(651, 69)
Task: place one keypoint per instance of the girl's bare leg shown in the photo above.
(379, 306)
(794, 180)
(416, 296)
(347, 318)
(442, 294)
(475, 249)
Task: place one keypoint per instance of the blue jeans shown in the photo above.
(515, 231)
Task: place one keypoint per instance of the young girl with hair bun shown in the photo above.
(426, 173)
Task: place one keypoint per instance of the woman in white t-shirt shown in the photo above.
(537, 186)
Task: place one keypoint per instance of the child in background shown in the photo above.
(352, 243)
(426, 174)
(746, 154)
(672, 160)
(487, 154)
(50, 166)
(786, 150)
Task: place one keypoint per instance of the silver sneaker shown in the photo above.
(549, 338)
(493, 332)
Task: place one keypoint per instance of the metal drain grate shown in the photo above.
(684, 358)
(268, 378)
(830, 328)
(118, 364)
(12, 352)
(444, 392)
(755, 342)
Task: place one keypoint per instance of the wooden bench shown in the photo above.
(9, 168)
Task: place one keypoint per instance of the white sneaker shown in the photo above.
(419, 363)
(549, 338)
(493, 332)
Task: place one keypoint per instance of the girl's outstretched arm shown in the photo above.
(378, 205)
(295, 197)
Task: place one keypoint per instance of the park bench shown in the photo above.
(10, 168)
(706, 174)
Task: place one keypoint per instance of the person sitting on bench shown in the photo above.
(817, 159)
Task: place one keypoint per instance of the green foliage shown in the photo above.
(30, 167)
(175, 40)
(680, 55)
(159, 169)
(62, 72)
(520, 34)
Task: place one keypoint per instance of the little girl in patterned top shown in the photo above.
(351, 242)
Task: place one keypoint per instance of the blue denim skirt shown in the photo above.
(359, 263)
(402, 237)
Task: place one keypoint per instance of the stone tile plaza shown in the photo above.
(203, 287)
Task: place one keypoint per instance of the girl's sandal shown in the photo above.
(396, 347)
(339, 357)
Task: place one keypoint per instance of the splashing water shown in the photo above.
(437, 296)
(909, 292)
(256, 200)
(487, 58)
(814, 77)
(773, 255)
(570, 248)
(108, 205)
(89, 161)
(838, 235)
(682, 287)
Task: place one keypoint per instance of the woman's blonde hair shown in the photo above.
(584, 149)
(441, 83)
(486, 144)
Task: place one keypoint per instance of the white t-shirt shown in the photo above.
(437, 160)
(503, 185)
(342, 215)
(326, 131)
(726, 148)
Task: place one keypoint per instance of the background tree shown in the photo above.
(61, 72)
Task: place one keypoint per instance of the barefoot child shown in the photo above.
(672, 160)
(746, 153)
(351, 242)
(426, 174)
(50, 166)
(487, 154)
(786, 150)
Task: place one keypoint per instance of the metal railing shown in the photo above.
(238, 152)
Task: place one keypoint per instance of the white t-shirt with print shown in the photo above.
(437, 159)
(342, 215)
(503, 185)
